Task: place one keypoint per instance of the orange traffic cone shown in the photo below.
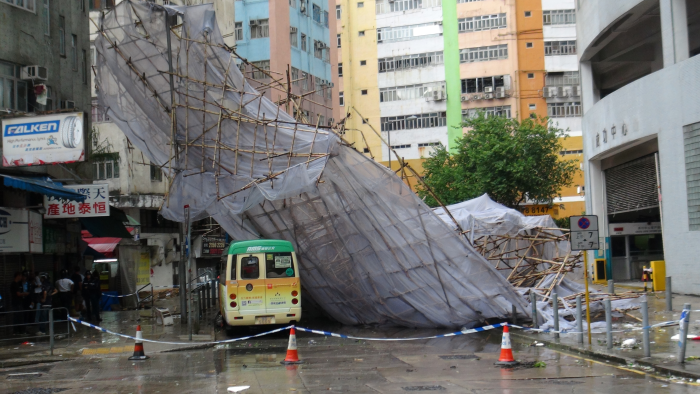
(292, 355)
(506, 351)
(138, 346)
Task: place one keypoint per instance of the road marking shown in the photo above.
(107, 350)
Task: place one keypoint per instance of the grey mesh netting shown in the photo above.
(370, 251)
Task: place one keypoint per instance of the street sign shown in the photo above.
(584, 232)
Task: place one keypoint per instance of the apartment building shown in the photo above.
(437, 62)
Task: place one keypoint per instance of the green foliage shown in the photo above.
(562, 222)
(539, 364)
(511, 161)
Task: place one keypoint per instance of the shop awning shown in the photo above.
(104, 245)
(43, 186)
(107, 226)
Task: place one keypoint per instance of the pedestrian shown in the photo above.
(37, 296)
(17, 295)
(96, 295)
(77, 291)
(65, 293)
(28, 301)
(47, 293)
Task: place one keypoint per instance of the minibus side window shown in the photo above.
(233, 266)
(279, 265)
(250, 267)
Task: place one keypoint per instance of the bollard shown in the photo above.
(153, 303)
(611, 287)
(533, 303)
(208, 291)
(555, 311)
(51, 330)
(197, 307)
(683, 334)
(200, 300)
(669, 294)
(608, 322)
(579, 319)
(514, 313)
(645, 329)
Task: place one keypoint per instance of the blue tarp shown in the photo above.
(42, 186)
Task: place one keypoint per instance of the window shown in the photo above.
(293, 37)
(553, 48)
(360, 4)
(156, 173)
(528, 14)
(259, 28)
(559, 17)
(45, 12)
(74, 51)
(386, 6)
(340, 69)
(279, 265)
(402, 33)
(503, 110)
(318, 49)
(337, 36)
(428, 144)
(363, 62)
(482, 84)
(484, 22)
(49, 100)
(364, 92)
(84, 66)
(258, 68)
(99, 114)
(482, 54)
(62, 35)
(529, 45)
(342, 99)
(322, 120)
(564, 110)
(303, 42)
(24, 4)
(293, 3)
(239, 31)
(361, 33)
(691, 139)
(571, 152)
(325, 18)
(295, 76)
(406, 62)
(337, 12)
(530, 75)
(405, 146)
(567, 78)
(105, 170)
(532, 107)
(408, 92)
(418, 121)
(13, 91)
(316, 13)
(250, 267)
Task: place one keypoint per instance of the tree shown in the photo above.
(513, 162)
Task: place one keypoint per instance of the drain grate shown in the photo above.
(424, 388)
(459, 357)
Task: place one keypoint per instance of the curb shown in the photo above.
(35, 361)
(662, 369)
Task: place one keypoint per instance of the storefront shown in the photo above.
(633, 246)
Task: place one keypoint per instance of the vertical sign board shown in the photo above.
(96, 203)
(213, 246)
(40, 140)
(21, 231)
(584, 232)
(143, 273)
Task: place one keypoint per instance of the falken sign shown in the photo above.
(43, 140)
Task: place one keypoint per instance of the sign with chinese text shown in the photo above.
(96, 203)
(40, 140)
(143, 274)
(213, 246)
(20, 231)
(634, 228)
(584, 232)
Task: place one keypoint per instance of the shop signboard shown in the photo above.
(634, 228)
(143, 274)
(40, 140)
(20, 231)
(96, 203)
(213, 246)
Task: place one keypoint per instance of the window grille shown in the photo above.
(406, 62)
(554, 48)
(482, 54)
(559, 17)
(503, 110)
(483, 22)
(564, 110)
(417, 121)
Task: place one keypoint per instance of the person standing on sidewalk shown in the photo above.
(47, 293)
(77, 291)
(65, 293)
(96, 295)
(37, 295)
(17, 300)
(90, 288)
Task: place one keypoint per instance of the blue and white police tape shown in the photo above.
(452, 334)
(98, 328)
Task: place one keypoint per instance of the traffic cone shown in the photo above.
(138, 346)
(292, 355)
(506, 351)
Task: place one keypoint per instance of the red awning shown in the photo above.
(105, 245)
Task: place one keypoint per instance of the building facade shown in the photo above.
(639, 75)
(438, 62)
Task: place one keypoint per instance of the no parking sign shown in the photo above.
(584, 232)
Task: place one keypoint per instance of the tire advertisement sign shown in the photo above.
(39, 140)
(20, 231)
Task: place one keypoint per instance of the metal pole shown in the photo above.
(579, 321)
(190, 294)
(611, 287)
(683, 334)
(514, 312)
(669, 294)
(153, 302)
(182, 276)
(533, 304)
(588, 298)
(388, 137)
(51, 330)
(555, 311)
(608, 322)
(645, 329)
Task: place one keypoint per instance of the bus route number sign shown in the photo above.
(584, 232)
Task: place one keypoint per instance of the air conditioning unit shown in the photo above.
(577, 91)
(303, 74)
(563, 91)
(35, 73)
(553, 92)
(439, 95)
(293, 30)
(500, 92)
(476, 97)
(465, 97)
(253, 22)
(488, 89)
(302, 7)
(332, 84)
(488, 96)
(66, 104)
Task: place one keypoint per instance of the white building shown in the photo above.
(640, 79)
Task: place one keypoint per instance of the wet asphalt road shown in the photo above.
(463, 364)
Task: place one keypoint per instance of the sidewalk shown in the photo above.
(664, 351)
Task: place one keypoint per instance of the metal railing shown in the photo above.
(23, 319)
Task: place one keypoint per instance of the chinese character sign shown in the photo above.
(96, 203)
